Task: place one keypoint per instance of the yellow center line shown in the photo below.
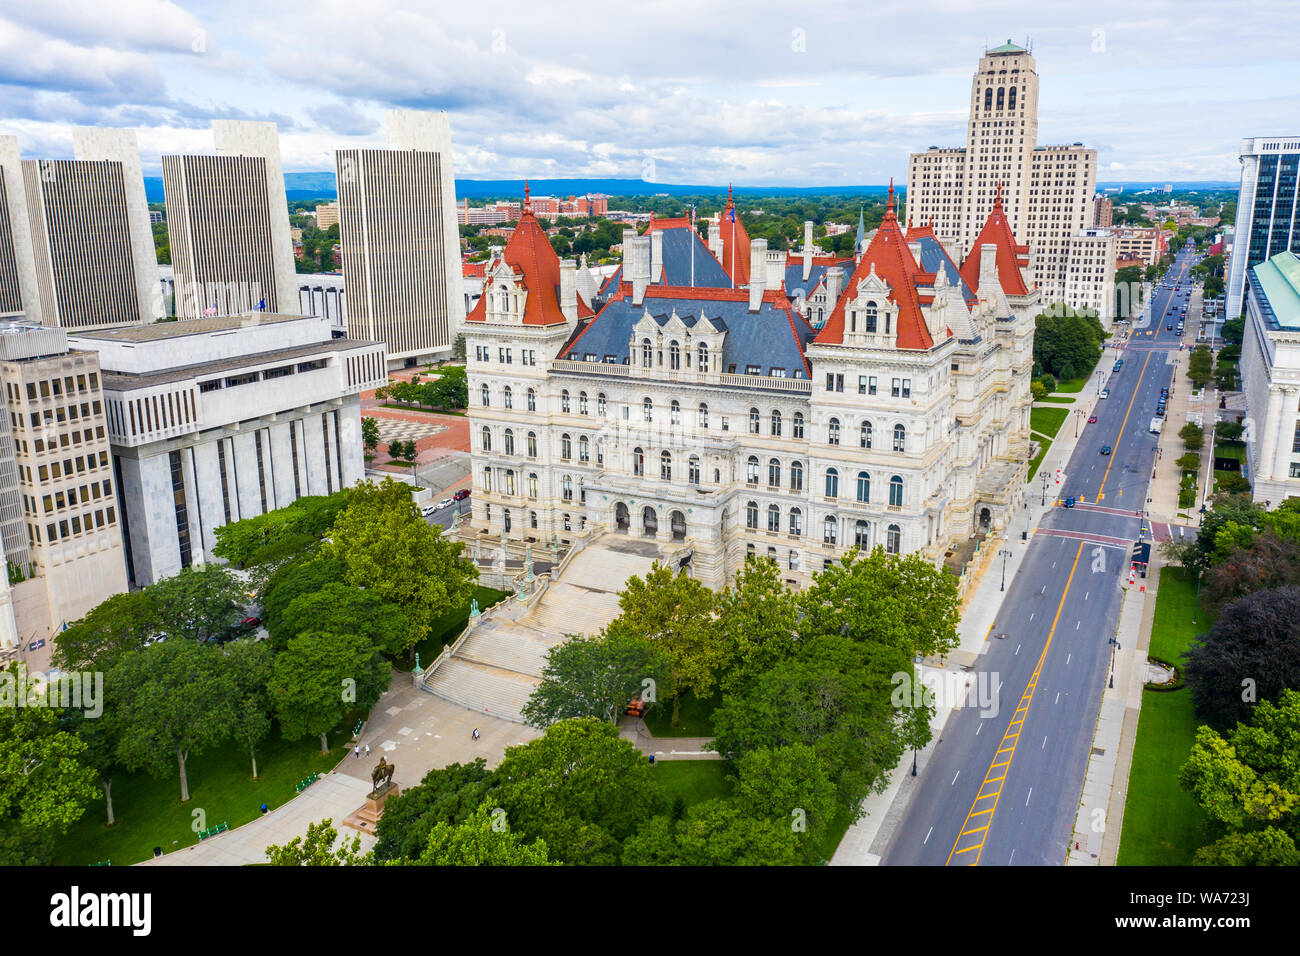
(1025, 700)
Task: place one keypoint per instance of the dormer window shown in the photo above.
(869, 316)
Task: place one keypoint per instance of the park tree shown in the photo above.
(341, 609)
(484, 839)
(112, 628)
(173, 699)
(45, 780)
(788, 786)
(370, 434)
(596, 677)
(756, 621)
(1267, 561)
(1251, 653)
(99, 734)
(317, 848)
(1193, 436)
(388, 548)
(250, 672)
(723, 833)
(1188, 461)
(288, 584)
(580, 787)
(1271, 846)
(246, 541)
(458, 347)
(900, 601)
(445, 795)
(198, 602)
(653, 844)
(675, 612)
(1200, 366)
(319, 677)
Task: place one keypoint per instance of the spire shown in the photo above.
(997, 199)
(890, 215)
(862, 233)
(527, 205)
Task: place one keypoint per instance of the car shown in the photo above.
(1105, 393)
(1164, 391)
(155, 639)
(445, 503)
(1092, 419)
(461, 495)
(1119, 364)
(250, 623)
(427, 511)
(1169, 327)
(1105, 449)
(1069, 502)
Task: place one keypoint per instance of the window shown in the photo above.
(896, 388)
(693, 470)
(703, 416)
(566, 446)
(532, 519)
(894, 539)
(862, 534)
(532, 444)
(796, 522)
(869, 314)
(773, 518)
(796, 427)
(753, 421)
(751, 515)
(833, 432)
(832, 483)
(582, 403)
(751, 470)
(645, 353)
(584, 449)
(834, 382)
(568, 523)
(774, 474)
(675, 413)
(484, 393)
(666, 466)
(532, 486)
(864, 439)
(896, 491)
(907, 388)
(566, 487)
(648, 410)
(510, 481)
(830, 530)
(638, 461)
(702, 358)
(862, 385)
(564, 401)
(507, 397)
(900, 438)
(486, 438)
(674, 356)
(864, 487)
(509, 441)
(871, 385)
(796, 476)
(532, 400)
(776, 423)
(600, 404)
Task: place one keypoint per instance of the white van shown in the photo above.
(1156, 423)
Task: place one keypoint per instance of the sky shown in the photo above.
(673, 91)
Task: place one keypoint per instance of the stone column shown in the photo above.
(1268, 438)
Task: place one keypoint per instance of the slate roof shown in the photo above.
(794, 280)
(934, 257)
(679, 239)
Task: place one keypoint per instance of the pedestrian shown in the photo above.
(475, 734)
(358, 751)
(367, 750)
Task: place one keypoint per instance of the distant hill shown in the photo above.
(1200, 185)
(321, 186)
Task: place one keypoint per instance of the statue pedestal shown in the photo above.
(366, 817)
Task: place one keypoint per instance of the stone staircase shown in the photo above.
(497, 667)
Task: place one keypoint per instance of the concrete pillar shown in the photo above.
(1268, 444)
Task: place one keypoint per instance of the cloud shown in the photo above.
(344, 119)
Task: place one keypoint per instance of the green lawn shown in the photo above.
(1057, 399)
(1071, 385)
(696, 715)
(1162, 824)
(149, 812)
(1045, 447)
(449, 627)
(1047, 421)
(693, 780)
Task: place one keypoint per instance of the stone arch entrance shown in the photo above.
(651, 521)
(677, 522)
(985, 520)
(622, 518)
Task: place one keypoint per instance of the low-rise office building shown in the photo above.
(1270, 374)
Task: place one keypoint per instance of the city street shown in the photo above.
(1004, 788)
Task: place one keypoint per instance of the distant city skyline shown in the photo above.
(777, 96)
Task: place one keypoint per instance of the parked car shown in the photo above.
(445, 503)
(1119, 364)
(1105, 393)
(427, 511)
(250, 623)
(1105, 449)
(461, 495)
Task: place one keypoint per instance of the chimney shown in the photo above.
(807, 248)
(656, 255)
(569, 289)
(988, 265)
(715, 237)
(834, 280)
(915, 248)
(636, 266)
(757, 272)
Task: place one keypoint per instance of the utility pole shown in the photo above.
(1006, 553)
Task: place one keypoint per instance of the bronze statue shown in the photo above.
(382, 775)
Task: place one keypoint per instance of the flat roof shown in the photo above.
(124, 381)
(1278, 281)
(158, 331)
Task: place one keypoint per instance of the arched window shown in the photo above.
(532, 518)
(702, 358)
(894, 539)
(1002, 95)
(582, 403)
(507, 397)
(509, 441)
(486, 436)
(862, 534)
(532, 486)
(900, 438)
(896, 491)
(988, 98)
(666, 466)
(773, 518)
(774, 474)
(869, 313)
(796, 521)
(796, 476)
(703, 418)
(693, 470)
(832, 483)
(638, 461)
(865, 438)
(674, 355)
(751, 470)
(532, 400)
(646, 353)
(833, 432)
(1011, 99)
(582, 489)
(584, 449)
(564, 401)
(830, 530)
(753, 421)
(751, 515)
(776, 423)
(566, 487)
(864, 486)
(532, 444)
(600, 404)
(566, 446)
(675, 412)
(503, 301)
(487, 479)
(510, 481)
(648, 410)
(796, 429)
(484, 393)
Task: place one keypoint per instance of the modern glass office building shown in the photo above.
(1267, 221)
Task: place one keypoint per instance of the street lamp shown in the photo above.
(1044, 502)
(1006, 553)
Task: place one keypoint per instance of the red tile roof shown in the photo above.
(529, 252)
(1011, 257)
(473, 269)
(735, 244)
(889, 254)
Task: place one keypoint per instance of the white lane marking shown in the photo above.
(1076, 624)
(1085, 595)
(1017, 653)
(1027, 796)
(1031, 615)
(1013, 856)
(1067, 658)
(1044, 744)
(954, 778)
(978, 729)
(927, 835)
(1058, 698)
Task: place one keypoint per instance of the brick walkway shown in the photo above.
(452, 437)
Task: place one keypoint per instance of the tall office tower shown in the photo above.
(1266, 210)
(1047, 191)
(93, 249)
(67, 542)
(400, 243)
(1103, 212)
(17, 264)
(228, 222)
